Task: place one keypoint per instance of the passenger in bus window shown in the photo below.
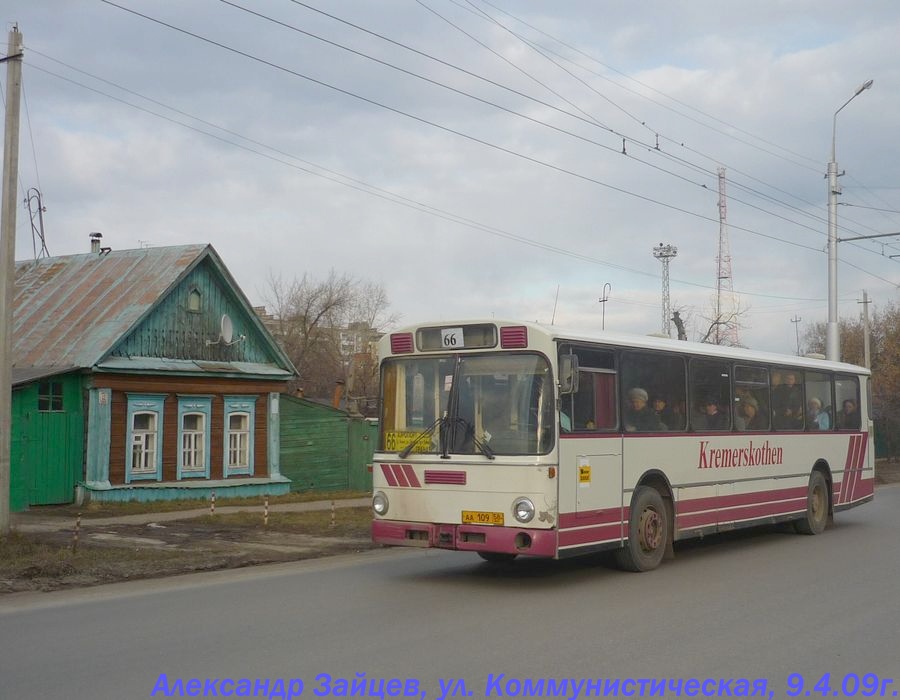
(663, 414)
(816, 417)
(747, 415)
(639, 418)
(713, 418)
(848, 417)
(787, 403)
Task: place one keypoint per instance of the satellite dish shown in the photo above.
(226, 329)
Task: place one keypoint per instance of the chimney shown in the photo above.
(95, 241)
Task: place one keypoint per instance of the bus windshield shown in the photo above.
(492, 404)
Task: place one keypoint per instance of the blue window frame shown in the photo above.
(143, 453)
(240, 423)
(194, 413)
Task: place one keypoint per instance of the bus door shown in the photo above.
(598, 483)
(598, 458)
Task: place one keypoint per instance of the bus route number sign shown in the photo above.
(452, 338)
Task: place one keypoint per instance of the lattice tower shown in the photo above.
(665, 253)
(725, 334)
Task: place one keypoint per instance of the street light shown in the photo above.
(605, 298)
(832, 337)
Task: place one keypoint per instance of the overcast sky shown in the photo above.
(468, 155)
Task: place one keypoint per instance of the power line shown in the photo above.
(587, 118)
(354, 183)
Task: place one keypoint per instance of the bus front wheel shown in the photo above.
(816, 517)
(648, 532)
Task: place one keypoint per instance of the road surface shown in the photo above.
(758, 605)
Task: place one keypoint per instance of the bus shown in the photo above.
(510, 438)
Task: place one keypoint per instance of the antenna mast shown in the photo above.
(36, 211)
(664, 253)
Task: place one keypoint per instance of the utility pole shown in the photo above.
(8, 261)
(832, 334)
(865, 303)
(796, 320)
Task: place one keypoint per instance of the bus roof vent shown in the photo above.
(514, 337)
(401, 342)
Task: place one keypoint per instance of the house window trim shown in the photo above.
(194, 405)
(138, 404)
(244, 405)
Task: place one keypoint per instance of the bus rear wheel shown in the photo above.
(648, 532)
(816, 517)
(497, 557)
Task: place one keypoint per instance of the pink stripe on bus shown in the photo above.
(591, 535)
(388, 474)
(604, 516)
(398, 473)
(694, 505)
(411, 475)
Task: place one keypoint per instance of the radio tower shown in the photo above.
(725, 332)
(664, 253)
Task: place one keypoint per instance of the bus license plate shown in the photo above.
(479, 517)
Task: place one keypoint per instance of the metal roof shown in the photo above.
(26, 375)
(71, 310)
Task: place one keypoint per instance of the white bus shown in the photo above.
(514, 439)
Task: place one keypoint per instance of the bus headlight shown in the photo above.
(523, 509)
(379, 503)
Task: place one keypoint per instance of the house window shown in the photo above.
(50, 397)
(193, 436)
(238, 441)
(240, 420)
(143, 458)
(144, 438)
(194, 299)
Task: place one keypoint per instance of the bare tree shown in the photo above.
(884, 339)
(327, 328)
(722, 326)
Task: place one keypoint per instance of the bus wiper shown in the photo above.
(428, 432)
(469, 431)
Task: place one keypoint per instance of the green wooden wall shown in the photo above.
(324, 449)
(47, 448)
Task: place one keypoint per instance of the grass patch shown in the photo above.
(112, 510)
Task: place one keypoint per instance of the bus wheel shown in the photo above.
(816, 518)
(497, 557)
(648, 532)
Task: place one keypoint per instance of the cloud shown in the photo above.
(480, 212)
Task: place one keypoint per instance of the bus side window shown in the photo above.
(662, 378)
(846, 397)
(593, 406)
(710, 395)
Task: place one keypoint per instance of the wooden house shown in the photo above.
(159, 356)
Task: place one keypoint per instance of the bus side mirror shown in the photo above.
(568, 374)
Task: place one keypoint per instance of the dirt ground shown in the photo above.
(42, 559)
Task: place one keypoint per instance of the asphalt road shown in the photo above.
(761, 605)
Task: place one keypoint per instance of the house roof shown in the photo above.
(26, 375)
(72, 310)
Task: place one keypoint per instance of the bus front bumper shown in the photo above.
(470, 538)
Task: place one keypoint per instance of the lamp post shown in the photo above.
(832, 336)
(605, 298)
